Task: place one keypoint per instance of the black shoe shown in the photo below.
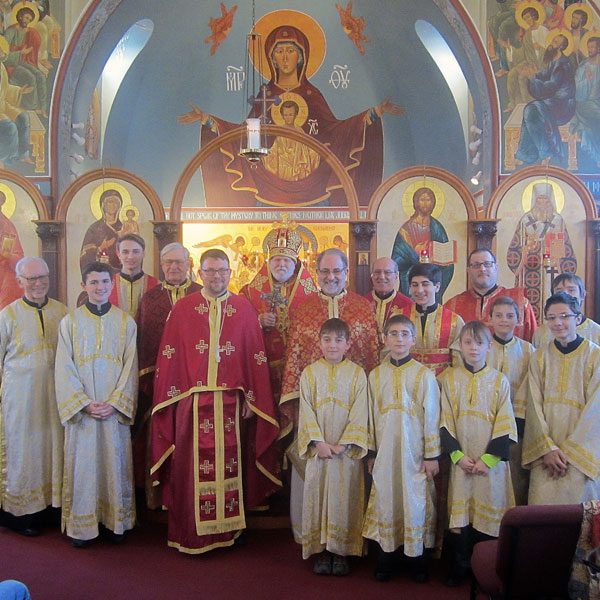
(80, 543)
(456, 576)
(115, 538)
(29, 531)
(241, 540)
(381, 575)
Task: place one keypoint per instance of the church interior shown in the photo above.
(206, 136)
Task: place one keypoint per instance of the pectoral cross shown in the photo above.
(274, 297)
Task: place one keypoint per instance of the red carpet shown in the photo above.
(144, 568)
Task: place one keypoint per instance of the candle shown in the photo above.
(546, 259)
(253, 133)
(424, 256)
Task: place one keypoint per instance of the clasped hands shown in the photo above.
(556, 462)
(468, 465)
(325, 450)
(100, 410)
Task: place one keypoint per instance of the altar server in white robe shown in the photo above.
(96, 391)
(31, 436)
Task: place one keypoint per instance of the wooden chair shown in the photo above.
(532, 555)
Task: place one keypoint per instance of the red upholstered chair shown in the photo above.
(532, 555)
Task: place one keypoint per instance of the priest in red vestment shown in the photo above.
(151, 317)
(333, 300)
(385, 298)
(275, 292)
(211, 392)
(475, 303)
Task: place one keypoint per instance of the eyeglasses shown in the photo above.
(331, 271)
(213, 272)
(177, 263)
(488, 264)
(562, 317)
(35, 279)
(401, 334)
(386, 272)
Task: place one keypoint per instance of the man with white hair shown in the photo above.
(275, 292)
(154, 308)
(385, 298)
(537, 231)
(31, 435)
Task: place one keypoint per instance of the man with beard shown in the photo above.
(332, 301)
(214, 428)
(579, 20)
(554, 91)
(586, 122)
(275, 292)
(533, 238)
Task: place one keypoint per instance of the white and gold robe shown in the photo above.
(512, 360)
(333, 409)
(404, 427)
(476, 409)
(31, 436)
(96, 360)
(564, 412)
(590, 330)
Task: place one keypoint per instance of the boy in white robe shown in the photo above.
(561, 445)
(404, 421)
(477, 425)
(573, 285)
(333, 438)
(96, 391)
(510, 355)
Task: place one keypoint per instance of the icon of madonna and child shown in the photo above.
(292, 174)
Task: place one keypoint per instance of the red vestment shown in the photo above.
(11, 251)
(303, 342)
(211, 361)
(387, 307)
(469, 306)
(151, 317)
(433, 348)
(266, 295)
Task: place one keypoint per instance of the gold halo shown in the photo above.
(25, 4)
(4, 47)
(8, 208)
(302, 112)
(586, 8)
(566, 33)
(103, 187)
(306, 24)
(407, 198)
(123, 213)
(559, 195)
(530, 4)
(592, 33)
